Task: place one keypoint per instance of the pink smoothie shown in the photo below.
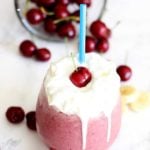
(64, 132)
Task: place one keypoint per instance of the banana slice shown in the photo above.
(129, 93)
(127, 90)
(141, 103)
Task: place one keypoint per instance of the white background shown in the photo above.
(21, 78)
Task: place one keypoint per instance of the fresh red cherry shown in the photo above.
(27, 48)
(61, 11)
(50, 26)
(99, 30)
(124, 72)
(102, 46)
(43, 54)
(35, 16)
(15, 114)
(46, 3)
(87, 2)
(31, 120)
(81, 77)
(90, 44)
(64, 2)
(67, 30)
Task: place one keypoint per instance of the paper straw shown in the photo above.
(82, 34)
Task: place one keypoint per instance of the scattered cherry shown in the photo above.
(27, 48)
(81, 77)
(35, 16)
(31, 120)
(124, 72)
(102, 45)
(67, 30)
(99, 30)
(15, 114)
(90, 44)
(43, 54)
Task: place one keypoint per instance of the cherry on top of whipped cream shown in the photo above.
(81, 77)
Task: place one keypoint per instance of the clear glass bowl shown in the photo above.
(38, 31)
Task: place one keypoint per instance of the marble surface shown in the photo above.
(21, 78)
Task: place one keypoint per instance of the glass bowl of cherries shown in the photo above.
(56, 20)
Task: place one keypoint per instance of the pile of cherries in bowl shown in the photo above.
(56, 20)
(60, 18)
(55, 16)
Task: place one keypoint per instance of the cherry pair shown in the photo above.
(16, 115)
(29, 49)
(99, 41)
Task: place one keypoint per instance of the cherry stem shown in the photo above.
(73, 61)
(116, 25)
(46, 12)
(103, 10)
(73, 18)
(126, 57)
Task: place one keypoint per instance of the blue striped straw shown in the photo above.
(82, 34)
